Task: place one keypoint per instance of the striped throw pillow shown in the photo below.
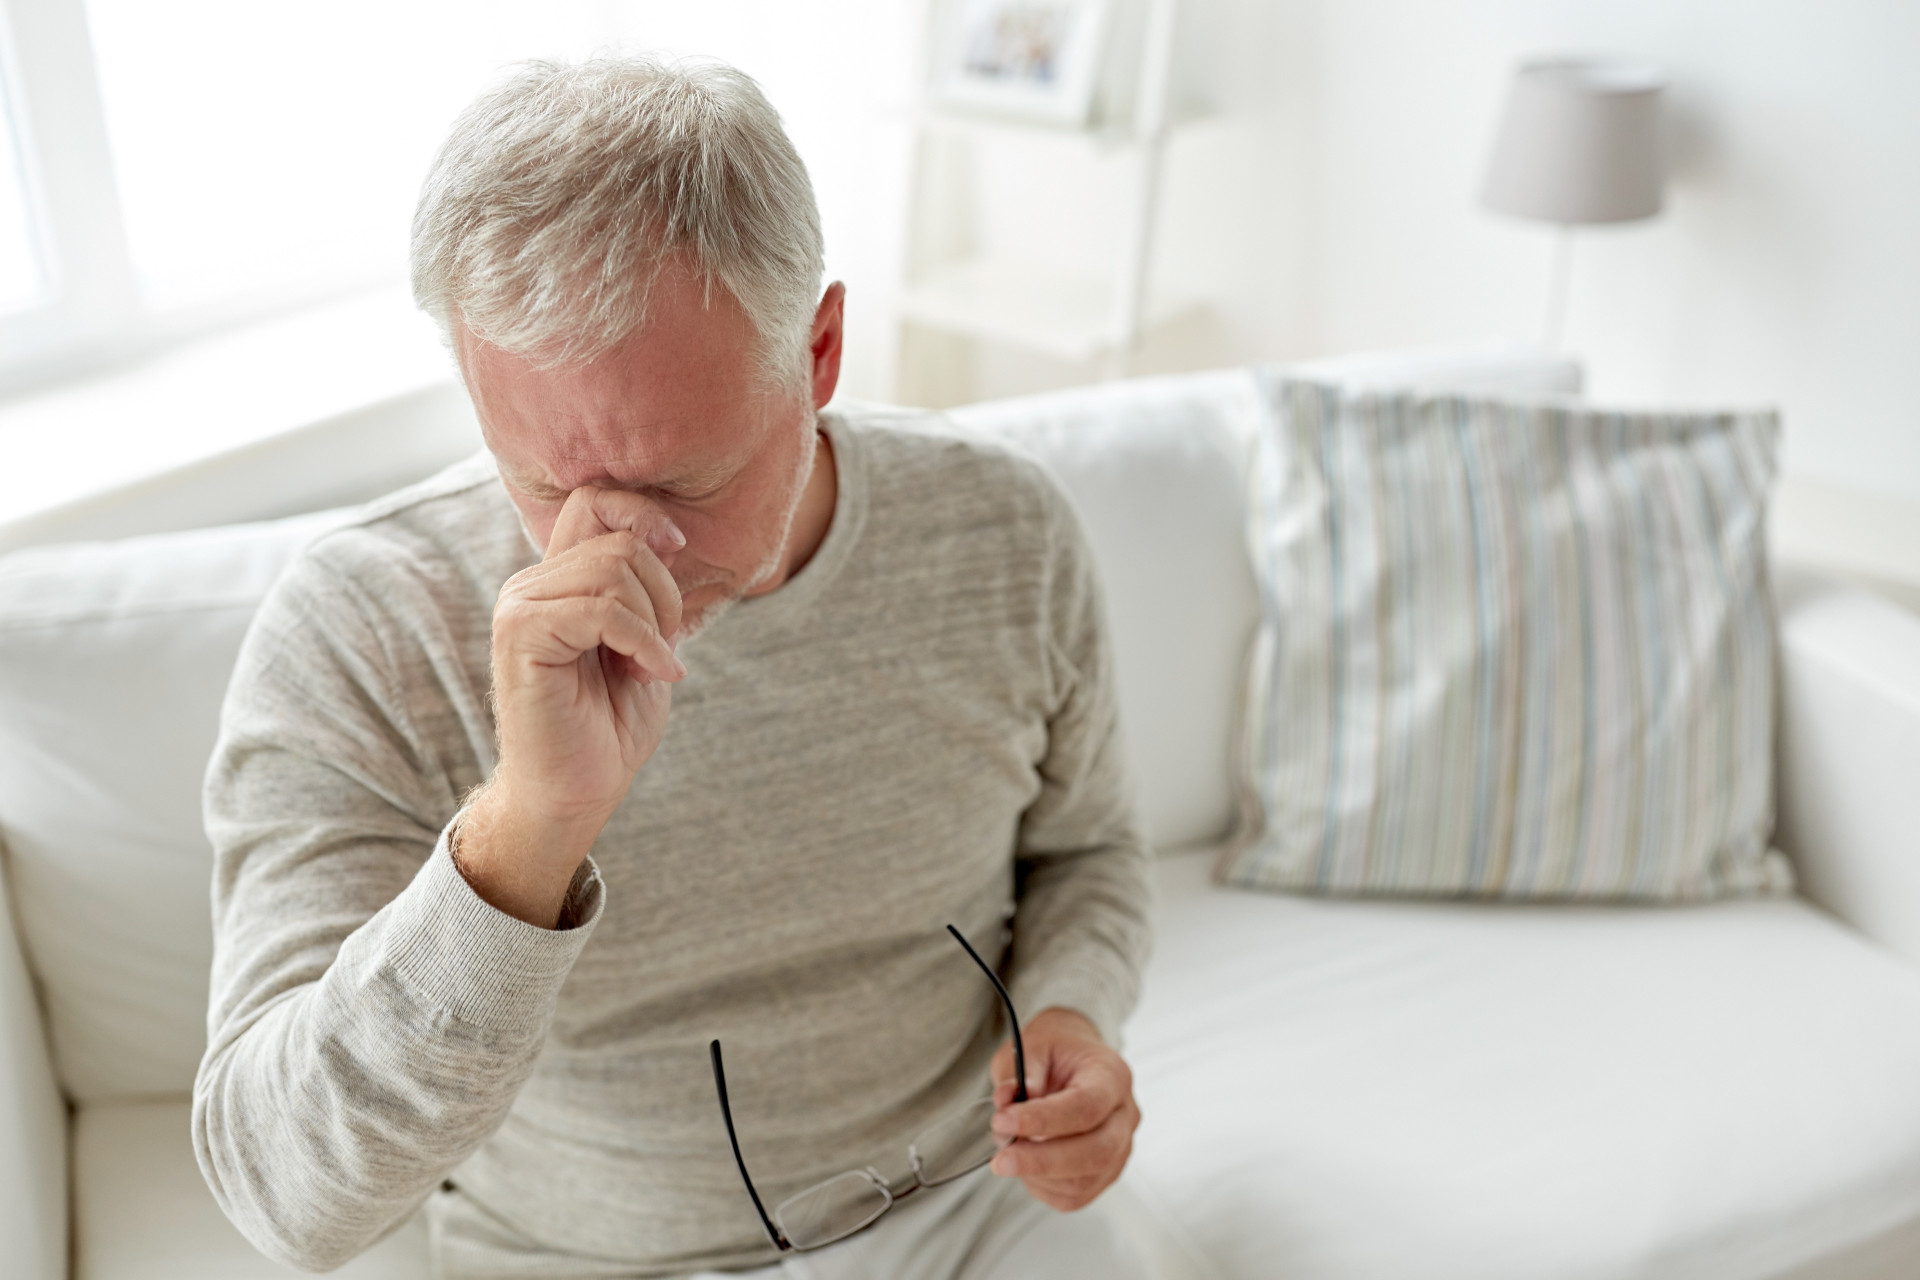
(1507, 650)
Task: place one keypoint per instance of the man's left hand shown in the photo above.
(1073, 1135)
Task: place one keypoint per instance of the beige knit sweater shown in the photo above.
(918, 728)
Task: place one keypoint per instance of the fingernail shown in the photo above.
(680, 666)
(1005, 1125)
(669, 534)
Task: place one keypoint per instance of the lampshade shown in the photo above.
(1580, 142)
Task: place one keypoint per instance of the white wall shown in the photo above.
(1786, 268)
(1337, 209)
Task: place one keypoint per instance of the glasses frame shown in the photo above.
(774, 1233)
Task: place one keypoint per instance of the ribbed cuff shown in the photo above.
(460, 953)
(1083, 992)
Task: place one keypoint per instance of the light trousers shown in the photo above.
(978, 1227)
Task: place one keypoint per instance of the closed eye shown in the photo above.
(691, 495)
(542, 492)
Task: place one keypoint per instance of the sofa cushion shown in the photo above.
(113, 661)
(1509, 648)
(141, 1211)
(1339, 1089)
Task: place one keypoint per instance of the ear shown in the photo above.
(829, 333)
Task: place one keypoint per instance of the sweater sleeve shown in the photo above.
(371, 1019)
(1081, 929)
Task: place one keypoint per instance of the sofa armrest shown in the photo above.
(1848, 754)
(33, 1123)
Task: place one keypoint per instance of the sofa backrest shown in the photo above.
(114, 658)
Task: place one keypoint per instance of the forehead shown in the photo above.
(678, 401)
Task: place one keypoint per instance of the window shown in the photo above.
(21, 281)
(170, 168)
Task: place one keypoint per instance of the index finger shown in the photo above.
(656, 586)
(590, 512)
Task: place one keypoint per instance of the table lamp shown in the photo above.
(1579, 143)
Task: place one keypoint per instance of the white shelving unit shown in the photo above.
(953, 288)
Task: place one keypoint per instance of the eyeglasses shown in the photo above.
(833, 1210)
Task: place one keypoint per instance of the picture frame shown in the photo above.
(1035, 60)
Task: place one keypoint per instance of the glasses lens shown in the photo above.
(831, 1210)
(959, 1144)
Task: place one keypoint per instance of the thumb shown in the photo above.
(1004, 1092)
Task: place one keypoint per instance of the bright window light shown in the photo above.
(268, 150)
(22, 282)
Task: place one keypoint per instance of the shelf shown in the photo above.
(958, 123)
(1060, 312)
(1077, 315)
(948, 122)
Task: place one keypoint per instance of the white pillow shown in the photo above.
(1508, 649)
(114, 658)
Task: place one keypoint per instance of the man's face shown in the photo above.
(676, 414)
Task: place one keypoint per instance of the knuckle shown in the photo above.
(508, 614)
(613, 609)
(616, 547)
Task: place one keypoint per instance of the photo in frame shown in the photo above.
(1036, 60)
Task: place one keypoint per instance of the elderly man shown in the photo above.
(687, 715)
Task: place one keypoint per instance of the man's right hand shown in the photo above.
(583, 665)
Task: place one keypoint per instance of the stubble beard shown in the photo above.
(692, 624)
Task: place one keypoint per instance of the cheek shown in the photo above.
(739, 529)
(720, 537)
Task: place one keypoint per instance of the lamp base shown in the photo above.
(1553, 324)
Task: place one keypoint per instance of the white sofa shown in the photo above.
(1331, 1089)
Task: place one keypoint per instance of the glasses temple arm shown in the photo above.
(726, 1113)
(1013, 1019)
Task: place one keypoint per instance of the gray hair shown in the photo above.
(565, 189)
